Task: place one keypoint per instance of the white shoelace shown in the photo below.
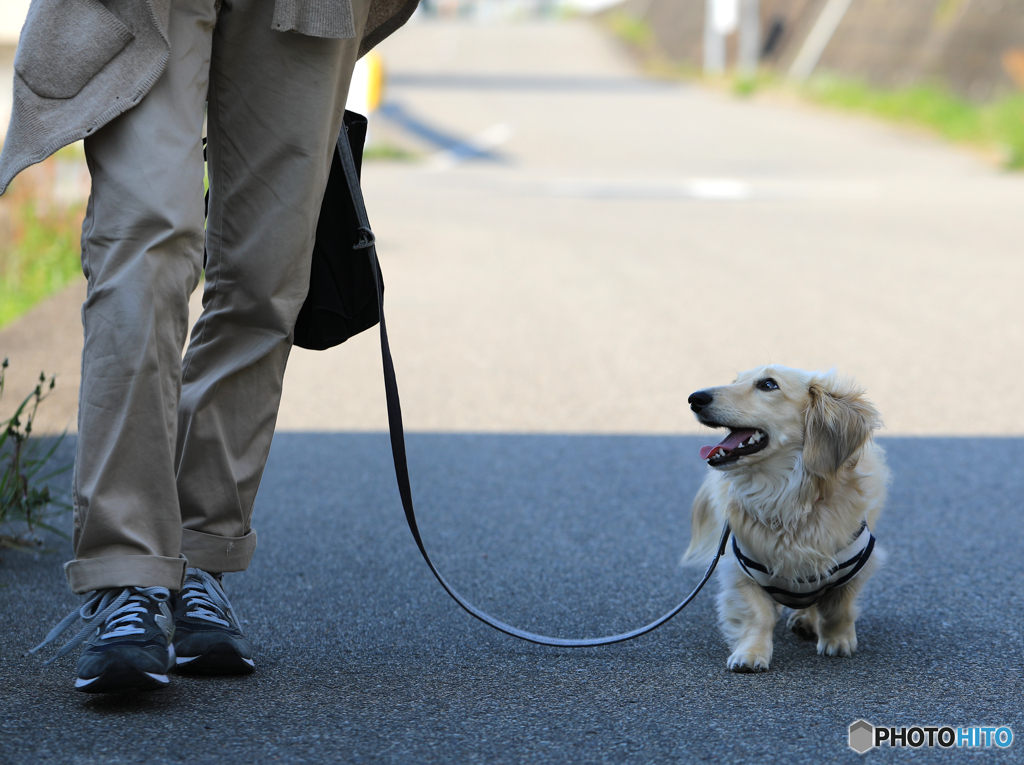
(205, 599)
(114, 611)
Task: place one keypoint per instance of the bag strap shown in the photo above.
(402, 467)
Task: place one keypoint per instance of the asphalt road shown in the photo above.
(578, 250)
(362, 657)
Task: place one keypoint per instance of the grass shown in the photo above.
(997, 126)
(387, 152)
(633, 31)
(638, 37)
(39, 240)
(40, 235)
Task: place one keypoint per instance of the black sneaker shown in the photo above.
(129, 640)
(207, 638)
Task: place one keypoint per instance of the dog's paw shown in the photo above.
(804, 625)
(745, 661)
(839, 645)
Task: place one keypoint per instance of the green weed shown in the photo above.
(25, 498)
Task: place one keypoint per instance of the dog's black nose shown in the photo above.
(699, 400)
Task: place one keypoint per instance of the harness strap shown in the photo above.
(802, 593)
(402, 467)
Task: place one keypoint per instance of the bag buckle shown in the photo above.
(366, 239)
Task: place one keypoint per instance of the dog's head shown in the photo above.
(773, 411)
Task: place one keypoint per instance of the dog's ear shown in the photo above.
(838, 421)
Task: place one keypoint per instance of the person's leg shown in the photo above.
(276, 102)
(142, 245)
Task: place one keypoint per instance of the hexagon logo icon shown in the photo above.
(862, 736)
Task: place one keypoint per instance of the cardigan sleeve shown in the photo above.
(317, 18)
(334, 18)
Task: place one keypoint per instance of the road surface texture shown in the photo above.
(577, 249)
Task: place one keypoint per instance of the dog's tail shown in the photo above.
(705, 529)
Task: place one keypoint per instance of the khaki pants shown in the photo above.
(171, 452)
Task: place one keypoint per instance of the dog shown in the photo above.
(801, 482)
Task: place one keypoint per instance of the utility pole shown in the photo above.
(820, 36)
(720, 19)
(750, 38)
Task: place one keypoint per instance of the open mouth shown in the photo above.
(739, 443)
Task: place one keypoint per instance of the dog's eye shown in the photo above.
(767, 384)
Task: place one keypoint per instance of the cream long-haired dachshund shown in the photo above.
(801, 483)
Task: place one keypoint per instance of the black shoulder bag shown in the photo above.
(343, 298)
(346, 296)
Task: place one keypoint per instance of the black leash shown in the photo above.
(402, 467)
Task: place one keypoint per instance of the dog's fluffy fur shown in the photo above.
(793, 503)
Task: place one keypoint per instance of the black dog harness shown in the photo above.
(801, 593)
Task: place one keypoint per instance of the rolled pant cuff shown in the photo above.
(124, 571)
(217, 554)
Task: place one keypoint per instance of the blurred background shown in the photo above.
(587, 209)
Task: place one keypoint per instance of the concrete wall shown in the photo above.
(959, 42)
(970, 45)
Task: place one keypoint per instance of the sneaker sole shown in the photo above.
(218, 660)
(124, 677)
(120, 679)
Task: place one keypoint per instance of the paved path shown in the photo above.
(618, 244)
(633, 243)
(629, 242)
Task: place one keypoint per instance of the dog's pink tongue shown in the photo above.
(730, 442)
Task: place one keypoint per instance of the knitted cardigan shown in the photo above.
(81, 63)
